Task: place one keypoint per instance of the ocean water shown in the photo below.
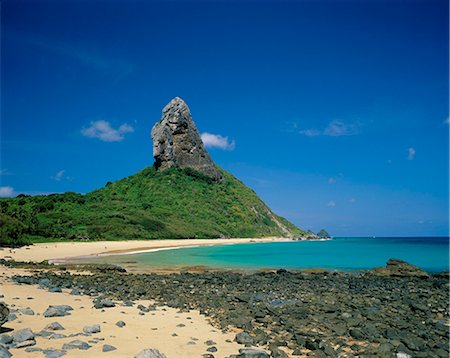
(348, 254)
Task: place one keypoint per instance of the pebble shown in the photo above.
(108, 348)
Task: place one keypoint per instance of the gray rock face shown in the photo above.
(4, 312)
(95, 328)
(4, 353)
(252, 353)
(77, 344)
(57, 311)
(150, 353)
(177, 143)
(22, 335)
(55, 326)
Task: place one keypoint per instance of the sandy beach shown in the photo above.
(174, 333)
(61, 251)
(161, 329)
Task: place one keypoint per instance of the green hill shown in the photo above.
(174, 203)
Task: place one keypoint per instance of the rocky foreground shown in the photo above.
(395, 311)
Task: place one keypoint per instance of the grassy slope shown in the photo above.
(176, 203)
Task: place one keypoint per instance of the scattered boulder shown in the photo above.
(120, 324)
(4, 352)
(95, 328)
(76, 344)
(5, 339)
(4, 313)
(177, 142)
(27, 311)
(244, 338)
(55, 326)
(252, 353)
(150, 353)
(398, 268)
(57, 311)
(53, 353)
(22, 335)
(103, 303)
(108, 348)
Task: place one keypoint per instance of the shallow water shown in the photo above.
(349, 254)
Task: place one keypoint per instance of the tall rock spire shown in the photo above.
(177, 143)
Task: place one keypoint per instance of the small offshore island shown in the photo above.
(57, 307)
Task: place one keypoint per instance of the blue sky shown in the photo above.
(334, 112)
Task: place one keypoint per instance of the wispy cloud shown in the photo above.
(411, 153)
(331, 204)
(102, 130)
(60, 175)
(310, 132)
(352, 200)
(217, 141)
(331, 180)
(7, 192)
(335, 128)
(5, 172)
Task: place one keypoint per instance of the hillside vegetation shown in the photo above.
(175, 203)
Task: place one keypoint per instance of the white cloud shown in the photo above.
(447, 121)
(103, 131)
(332, 180)
(411, 153)
(59, 175)
(352, 200)
(331, 204)
(335, 128)
(7, 192)
(338, 128)
(217, 141)
(310, 132)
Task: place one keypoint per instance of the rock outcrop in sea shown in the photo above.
(177, 142)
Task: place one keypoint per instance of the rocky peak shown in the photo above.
(177, 143)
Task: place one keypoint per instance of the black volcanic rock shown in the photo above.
(177, 143)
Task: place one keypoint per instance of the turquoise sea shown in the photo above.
(349, 254)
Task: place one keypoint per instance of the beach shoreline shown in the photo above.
(60, 252)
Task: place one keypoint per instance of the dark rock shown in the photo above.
(95, 328)
(103, 303)
(53, 353)
(57, 311)
(150, 353)
(76, 344)
(210, 342)
(27, 311)
(211, 349)
(55, 326)
(4, 352)
(244, 338)
(55, 289)
(5, 339)
(22, 335)
(108, 348)
(27, 343)
(252, 353)
(120, 324)
(75, 292)
(275, 352)
(11, 317)
(398, 268)
(357, 333)
(177, 143)
(4, 314)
